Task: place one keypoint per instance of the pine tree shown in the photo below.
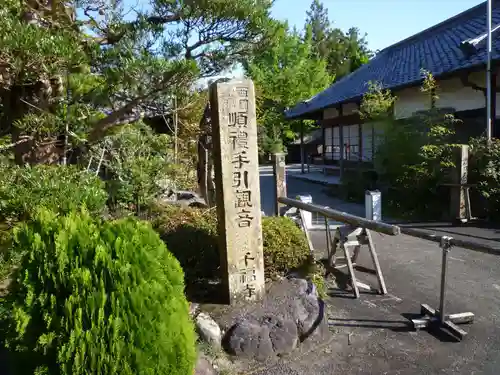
(344, 52)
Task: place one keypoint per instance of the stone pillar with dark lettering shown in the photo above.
(279, 175)
(458, 197)
(234, 128)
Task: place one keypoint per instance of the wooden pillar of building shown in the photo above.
(302, 149)
(360, 142)
(495, 132)
(324, 142)
(341, 142)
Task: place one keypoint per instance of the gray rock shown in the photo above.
(183, 198)
(208, 329)
(193, 309)
(250, 339)
(307, 307)
(204, 367)
(262, 339)
(308, 312)
(283, 334)
(301, 284)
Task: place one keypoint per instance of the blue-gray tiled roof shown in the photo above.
(438, 49)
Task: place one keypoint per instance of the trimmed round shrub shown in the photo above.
(95, 297)
(285, 245)
(191, 235)
(59, 188)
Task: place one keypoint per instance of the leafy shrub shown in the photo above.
(191, 235)
(485, 171)
(59, 188)
(96, 297)
(414, 155)
(7, 258)
(355, 182)
(140, 166)
(285, 245)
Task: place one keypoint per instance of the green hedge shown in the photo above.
(59, 188)
(191, 235)
(95, 297)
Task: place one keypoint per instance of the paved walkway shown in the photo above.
(315, 174)
(371, 335)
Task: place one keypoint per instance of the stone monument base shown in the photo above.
(291, 314)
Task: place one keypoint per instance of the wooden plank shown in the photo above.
(355, 221)
(351, 270)
(306, 231)
(328, 238)
(455, 329)
(427, 310)
(461, 318)
(373, 253)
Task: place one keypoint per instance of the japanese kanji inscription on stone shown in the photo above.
(237, 187)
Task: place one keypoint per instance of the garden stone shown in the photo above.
(208, 329)
(283, 334)
(302, 284)
(262, 339)
(204, 367)
(193, 309)
(249, 339)
(308, 311)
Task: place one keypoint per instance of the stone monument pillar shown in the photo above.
(458, 201)
(237, 181)
(279, 180)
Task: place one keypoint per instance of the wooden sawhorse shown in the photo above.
(346, 238)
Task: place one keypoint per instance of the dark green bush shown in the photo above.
(96, 297)
(484, 170)
(191, 235)
(413, 155)
(355, 182)
(59, 188)
(285, 245)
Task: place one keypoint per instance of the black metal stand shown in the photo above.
(431, 317)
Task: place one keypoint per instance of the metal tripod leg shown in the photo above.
(431, 317)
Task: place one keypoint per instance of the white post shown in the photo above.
(306, 198)
(488, 74)
(373, 205)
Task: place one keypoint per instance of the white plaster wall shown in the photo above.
(409, 101)
(451, 93)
